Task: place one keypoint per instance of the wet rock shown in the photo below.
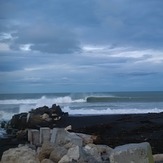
(18, 121)
(36, 118)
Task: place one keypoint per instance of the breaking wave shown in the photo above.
(43, 100)
(109, 111)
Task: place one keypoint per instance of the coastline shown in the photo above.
(112, 130)
(120, 129)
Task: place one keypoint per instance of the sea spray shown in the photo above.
(77, 103)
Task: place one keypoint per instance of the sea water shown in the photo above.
(83, 103)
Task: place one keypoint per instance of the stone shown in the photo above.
(36, 118)
(69, 145)
(105, 152)
(65, 159)
(68, 128)
(99, 152)
(132, 153)
(45, 151)
(45, 134)
(62, 137)
(77, 154)
(47, 161)
(34, 137)
(93, 151)
(76, 139)
(158, 158)
(18, 121)
(57, 153)
(20, 155)
(45, 116)
(87, 139)
(72, 154)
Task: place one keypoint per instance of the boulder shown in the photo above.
(18, 121)
(87, 139)
(57, 153)
(76, 154)
(45, 151)
(36, 118)
(158, 158)
(22, 154)
(93, 151)
(132, 153)
(47, 161)
(99, 152)
(105, 152)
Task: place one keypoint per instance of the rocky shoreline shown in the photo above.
(109, 130)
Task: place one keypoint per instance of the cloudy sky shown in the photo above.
(81, 46)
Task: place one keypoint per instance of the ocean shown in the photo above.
(83, 103)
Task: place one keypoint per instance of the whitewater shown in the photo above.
(84, 103)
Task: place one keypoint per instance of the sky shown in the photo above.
(81, 46)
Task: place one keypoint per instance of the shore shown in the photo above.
(113, 130)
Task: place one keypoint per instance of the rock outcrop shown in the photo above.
(36, 118)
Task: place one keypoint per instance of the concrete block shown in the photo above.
(45, 134)
(54, 135)
(76, 139)
(61, 136)
(34, 137)
(132, 153)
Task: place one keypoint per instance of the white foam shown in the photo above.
(109, 111)
(42, 101)
(5, 115)
(2, 132)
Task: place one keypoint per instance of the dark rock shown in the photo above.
(18, 121)
(36, 118)
(3, 124)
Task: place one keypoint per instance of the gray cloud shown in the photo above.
(118, 22)
(47, 39)
(115, 43)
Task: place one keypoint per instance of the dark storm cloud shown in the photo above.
(106, 41)
(137, 23)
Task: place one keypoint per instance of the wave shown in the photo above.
(91, 99)
(43, 100)
(83, 111)
(109, 111)
(6, 115)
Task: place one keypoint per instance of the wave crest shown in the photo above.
(109, 111)
(43, 100)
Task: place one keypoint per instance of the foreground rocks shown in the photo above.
(42, 130)
(22, 154)
(63, 146)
